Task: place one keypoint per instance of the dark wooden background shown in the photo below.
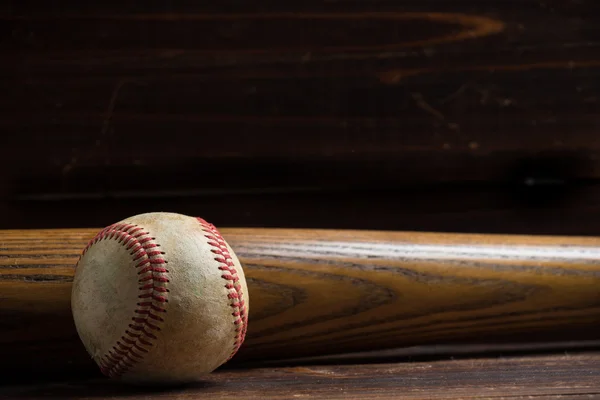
(434, 115)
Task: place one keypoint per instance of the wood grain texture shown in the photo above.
(549, 377)
(319, 292)
(325, 93)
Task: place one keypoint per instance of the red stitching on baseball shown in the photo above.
(123, 355)
(142, 330)
(133, 353)
(110, 358)
(120, 352)
(143, 271)
(236, 295)
(147, 286)
(128, 341)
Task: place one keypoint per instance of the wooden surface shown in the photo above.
(429, 115)
(559, 376)
(316, 292)
(304, 113)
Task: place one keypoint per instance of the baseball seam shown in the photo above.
(235, 295)
(153, 279)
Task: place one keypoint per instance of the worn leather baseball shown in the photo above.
(160, 297)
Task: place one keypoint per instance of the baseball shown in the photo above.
(159, 297)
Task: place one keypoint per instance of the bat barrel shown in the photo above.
(316, 292)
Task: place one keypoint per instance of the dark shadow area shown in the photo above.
(74, 389)
(432, 353)
(550, 179)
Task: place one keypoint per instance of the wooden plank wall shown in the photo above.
(439, 115)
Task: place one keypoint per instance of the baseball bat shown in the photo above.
(315, 292)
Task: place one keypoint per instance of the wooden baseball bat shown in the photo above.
(315, 292)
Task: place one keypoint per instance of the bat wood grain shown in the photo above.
(315, 292)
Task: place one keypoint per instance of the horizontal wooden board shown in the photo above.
(424, 91)
(562, 376)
